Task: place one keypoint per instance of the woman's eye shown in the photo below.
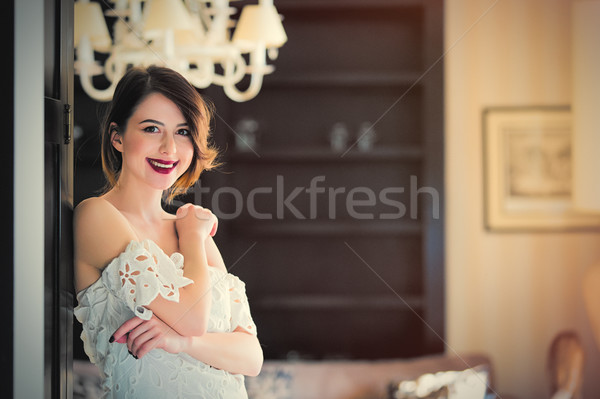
(151, 129)
(183, 132)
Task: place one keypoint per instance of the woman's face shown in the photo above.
(157, 145)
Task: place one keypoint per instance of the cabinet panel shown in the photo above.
(358, 39)
(339, 334)
(333, 190)
(300, 267)
(341, 248)
(305, 116)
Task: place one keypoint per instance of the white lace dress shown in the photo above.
(132, 280)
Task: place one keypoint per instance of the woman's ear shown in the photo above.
(115, 137)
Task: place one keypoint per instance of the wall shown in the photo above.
(508, 294)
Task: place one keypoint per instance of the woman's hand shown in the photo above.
(141, 336)
(195, 221)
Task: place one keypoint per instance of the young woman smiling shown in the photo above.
(161, 315)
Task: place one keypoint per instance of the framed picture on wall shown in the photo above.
(527, 170)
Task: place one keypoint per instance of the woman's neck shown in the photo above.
(141, 202)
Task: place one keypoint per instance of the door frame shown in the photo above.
(28, 194)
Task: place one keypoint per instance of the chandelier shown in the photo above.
(192, 37)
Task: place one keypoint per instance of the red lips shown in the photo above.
(161, 165)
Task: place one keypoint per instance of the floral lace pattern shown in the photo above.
(144, 272)
(134, 279)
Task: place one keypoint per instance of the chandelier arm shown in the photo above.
(203, 76)
(195, 53)
(96, 94)
(110, 68)
(258, 67)
(252, 91)
(234, 71)
(217, 29)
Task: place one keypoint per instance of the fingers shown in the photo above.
(213, 231)
(206, 214)
(123, 339)
(146, 336)
(147, 340)
(188, 210)
(182, 211)
(152, 334)
(136, 333)
(142, 348)
(202, 213)
(198, 211)
(120, 334)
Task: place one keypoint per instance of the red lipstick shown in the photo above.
(161, 165)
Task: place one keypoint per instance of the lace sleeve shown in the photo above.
(240, 308)
(143, 272)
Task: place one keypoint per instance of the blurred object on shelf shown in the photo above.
(246, 135)
(338, 137)
(366, 136)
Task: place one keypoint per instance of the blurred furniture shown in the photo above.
(331, 379)
(338, 379)
(565, 365)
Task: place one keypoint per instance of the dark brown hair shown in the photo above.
(132, 89)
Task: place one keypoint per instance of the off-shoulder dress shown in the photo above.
(129, 282)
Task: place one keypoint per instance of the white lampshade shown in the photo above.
(89, 21)
(187, 37)
(160, 15)
(259, 23)
(194, 39)
(586, 104)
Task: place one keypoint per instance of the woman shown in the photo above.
(161, 316)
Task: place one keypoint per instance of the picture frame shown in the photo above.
(528, 170)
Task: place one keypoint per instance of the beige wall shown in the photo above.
(508, 294)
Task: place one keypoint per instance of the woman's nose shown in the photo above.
(167, 145)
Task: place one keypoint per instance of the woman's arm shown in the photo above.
(102, 233)
(213, 255)
(190, 315)
(194, 226)
(237, 352)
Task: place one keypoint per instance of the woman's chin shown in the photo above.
(163, 185)
(163, 181)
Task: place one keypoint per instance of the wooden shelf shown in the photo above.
(344, 79)
(339, 302)
(286, 5)
(346, 61)
(327, 228)
(323, 154)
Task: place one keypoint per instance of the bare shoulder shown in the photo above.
(101, 233)
(97, 213)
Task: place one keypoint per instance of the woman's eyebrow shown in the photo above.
(160, 123)
(151, 121)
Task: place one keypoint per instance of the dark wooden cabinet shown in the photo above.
(328, 279)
